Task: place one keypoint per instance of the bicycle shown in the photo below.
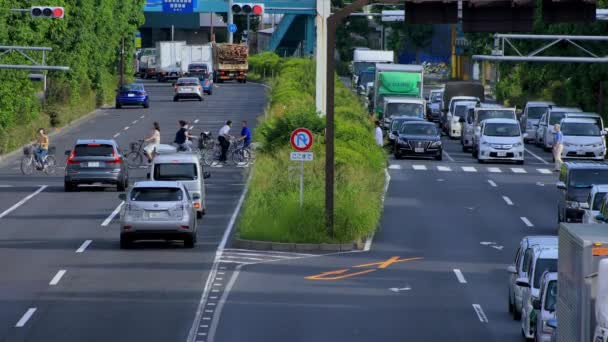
(211, 156)
(136, 157)
(242, 156)
(29, 161)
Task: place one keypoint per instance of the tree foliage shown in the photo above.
(87, 40)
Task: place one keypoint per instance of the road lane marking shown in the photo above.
(126, 128)
(5, 186)
(387, 263)
(57, 277)
(196, 121)
(419, 167)
(527, 222)
(113, 214)
(134, 122)
(537, 157)
(480, 314)
(222, 302)
(544, 171)
(84, 246)
(460, 276)
(394, 167)
(492, 183)
(23, 201)
(444, 168)
(116, 135)
(469, 169)
(518, 170)
(448, 156)
(26, 317)
(494, 170)
(508, 200)
(143, 116)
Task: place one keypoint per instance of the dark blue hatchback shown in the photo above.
(132, 95)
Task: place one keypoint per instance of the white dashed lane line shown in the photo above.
(23, 201)
(116, 135)
(26, 317)
(196, 121)
(492, 183)
(537, 157)
(126, 128)
(507, 200)
(494, 170)
(134, 122)
(112, 215)
(143, 116)
(84, 246)
(460, 276)
(57, 278)
(480, 314)
(469, 169)
(527, 222)
(518, 170)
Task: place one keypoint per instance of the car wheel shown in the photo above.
(439, 157)
(520, 162)
(511, 306)
(122, 186)
(175, 99)
(118, 105)
(69, 187)
(480, 161)
(146, 104)
(125, 242)
(397, 155)
(200, 98)
(190, 241)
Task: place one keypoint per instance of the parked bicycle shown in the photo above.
(29, 162)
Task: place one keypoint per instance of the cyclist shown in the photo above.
(245, 135)
(223, 137)
(153, 141)
(42, 149)
(183, 136)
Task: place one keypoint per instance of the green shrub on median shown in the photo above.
(271, 211)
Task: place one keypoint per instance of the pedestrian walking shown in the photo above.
(223, 137)
(379, 136)
(558, 139)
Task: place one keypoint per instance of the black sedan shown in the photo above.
(419, 139)
(396, 123)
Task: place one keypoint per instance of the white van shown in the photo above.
(488, 111)
(500, 139)
(187, 169)
(583, 139)
(544, 133)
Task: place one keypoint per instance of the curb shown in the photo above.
(295, 247)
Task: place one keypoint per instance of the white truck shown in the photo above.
(601, 303)
(197, 55)
(169, 60)
(364, 59)
(581, 248)
(397, 80)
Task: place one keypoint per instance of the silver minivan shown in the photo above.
(530, 118)
(187, 169)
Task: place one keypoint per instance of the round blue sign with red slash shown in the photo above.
(301, 139)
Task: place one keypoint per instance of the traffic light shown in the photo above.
(498, 16)
(569, 11)
(47, 12)
(248, 8)
(437, 12)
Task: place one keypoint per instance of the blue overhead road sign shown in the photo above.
(232, 28)
(179, 6)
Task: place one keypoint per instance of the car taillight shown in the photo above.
(197, 205)
(206, 83)
(184, 227)
(222, 73)
(116, 160)
(71, 160)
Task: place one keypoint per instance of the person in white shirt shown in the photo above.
(379, 136)
(153, 140)
(223, 137)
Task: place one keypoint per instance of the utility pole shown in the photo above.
(230, 22)
(248, 27)
(211, 34)
(122, 61)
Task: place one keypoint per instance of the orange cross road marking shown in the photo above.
(387, 263)
(324, 276)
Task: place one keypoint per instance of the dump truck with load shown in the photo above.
(230, 62)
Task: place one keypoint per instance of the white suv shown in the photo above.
(583, 139)
(500, 139)
(540, 259)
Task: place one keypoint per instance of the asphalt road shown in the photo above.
(436, 270)
(63, 276)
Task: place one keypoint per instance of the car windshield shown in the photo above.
(501, 130)
(541, 266)
(360, 66)
(406, 109)
(436, 97)
(556, 117)
(461, 110)
(396, 124)
(597, 201)
(551, 298)
(156, 194)
(536, 112)
(132, 87)
(418, 129)
(581, 129)
(187, 83)
(366, 77)
(94, 150)
(494, 114)
(586, 178)
(175, 171)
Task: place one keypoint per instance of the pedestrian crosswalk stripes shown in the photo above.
(471, 169)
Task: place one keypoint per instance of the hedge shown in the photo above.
(87, 40)
(271, 211)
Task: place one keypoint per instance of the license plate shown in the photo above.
(501, 154)
(187, 90)
(131, 95)
(419, 150)
(157, 214)
(580, 153)
(93, 164)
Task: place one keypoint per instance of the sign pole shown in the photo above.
(301, 183)
(230, 21)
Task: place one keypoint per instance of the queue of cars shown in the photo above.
(167, 206)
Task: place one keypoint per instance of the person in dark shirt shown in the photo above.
(182, 137)
(246, 135)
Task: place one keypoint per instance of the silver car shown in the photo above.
(157, 211)
(188, 88)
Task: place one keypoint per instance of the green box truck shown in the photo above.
(397, 80)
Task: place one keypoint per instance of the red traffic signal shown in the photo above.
(248, 8)
(47, 12)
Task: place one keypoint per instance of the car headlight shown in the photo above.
(485, 143)
(436, 144)
(391, 136)
(568, 144)
(572, 204)
(517, 144)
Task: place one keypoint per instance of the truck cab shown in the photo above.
(402, 106)
(397, 80)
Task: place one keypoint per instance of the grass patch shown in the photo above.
(271, 211)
